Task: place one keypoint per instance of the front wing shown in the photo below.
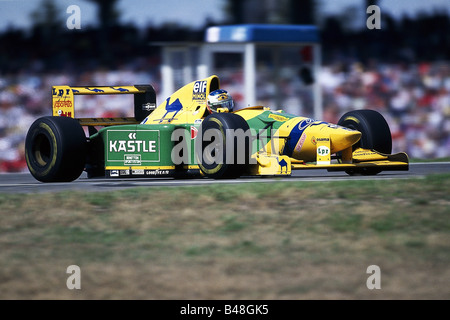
(362, 161)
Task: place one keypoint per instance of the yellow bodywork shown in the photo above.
(189, 103)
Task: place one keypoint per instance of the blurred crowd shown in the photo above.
(413, 97)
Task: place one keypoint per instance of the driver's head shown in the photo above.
(219, 101)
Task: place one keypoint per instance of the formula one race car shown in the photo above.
(181, 137)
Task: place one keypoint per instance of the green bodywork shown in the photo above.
(152, 147)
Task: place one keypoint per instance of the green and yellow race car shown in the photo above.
(184, 137)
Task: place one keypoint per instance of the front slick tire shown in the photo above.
(55, 149)
(375, 132)
(375, 135)
(222, 149)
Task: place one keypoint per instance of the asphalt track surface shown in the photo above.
(25, 182)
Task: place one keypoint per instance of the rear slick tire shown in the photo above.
(55, 149)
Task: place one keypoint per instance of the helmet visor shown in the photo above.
(229, 104)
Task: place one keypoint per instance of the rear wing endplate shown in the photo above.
(63, 104)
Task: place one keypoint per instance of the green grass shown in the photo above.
(446, 159)
(253, 240)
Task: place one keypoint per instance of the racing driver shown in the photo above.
(219, 101)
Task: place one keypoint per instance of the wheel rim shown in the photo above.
(42, 150)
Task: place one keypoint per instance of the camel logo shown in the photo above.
(175, 106)
(283, 164)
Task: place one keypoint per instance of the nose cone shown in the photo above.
(306, 145)
(342, 138)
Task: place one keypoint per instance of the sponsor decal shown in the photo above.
(323, 151)
(117, 173)
(175, 106)
(361, 153)
(60, 92)
(132, 159)
(62, 104)
(300, 142)
(199, 91)
(194, 132)
(304, 123)
(278, 117)
(148, 106)
(314, 140)
(140, 172)
(156, 172)
(133, 147)
(120, 89)
(283, 164)
(114, 173)
(96, 90)
(295, 135)
(64, 114)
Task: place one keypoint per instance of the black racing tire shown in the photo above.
(375, 132)
(375, 135)
(229, 165)
(55, 149)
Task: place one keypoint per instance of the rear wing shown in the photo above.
(63, 104)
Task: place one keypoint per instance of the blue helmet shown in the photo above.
(219, 99)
